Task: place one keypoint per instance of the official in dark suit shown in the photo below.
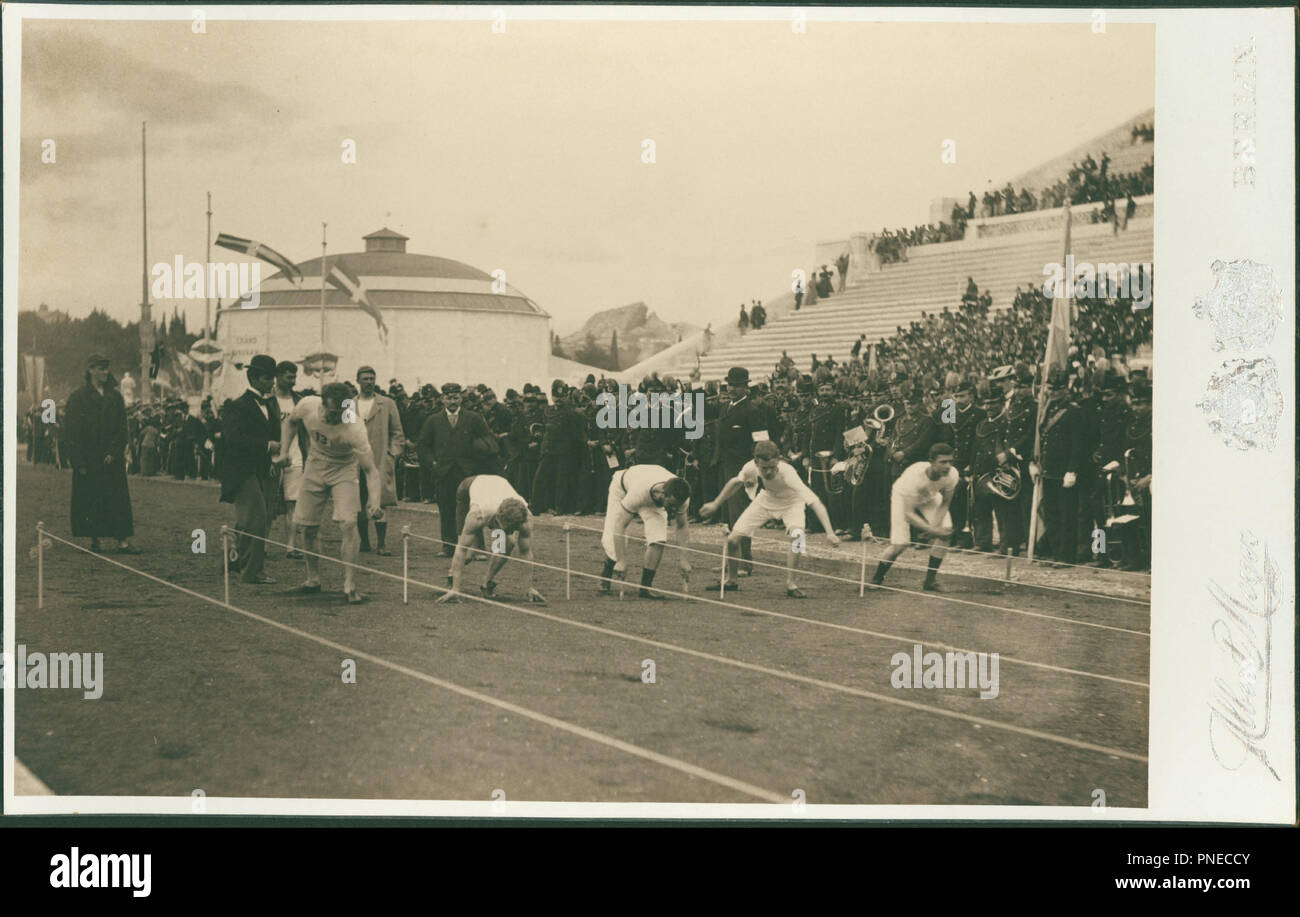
(250, 432)
(459, 443)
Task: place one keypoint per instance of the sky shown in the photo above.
(523, 151)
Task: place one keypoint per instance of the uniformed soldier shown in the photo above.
(989, 452)
(1061, 458)
(956, 422)
(564, 445)
(1110, 429)
(605, 451)
(1138, 453)
(1021, 411)
(707, 444)
(524, 444)
(820, 430)
(656, 445)
(913, 434)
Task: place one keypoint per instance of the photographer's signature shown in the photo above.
(1241, 703)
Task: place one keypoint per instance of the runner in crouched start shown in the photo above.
(776, 492)
(488, 508)
(654, 494)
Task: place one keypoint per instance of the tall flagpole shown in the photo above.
(146, 320)
(207, 302)
(322, 287)
(1058, 344)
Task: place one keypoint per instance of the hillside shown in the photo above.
(641, 333)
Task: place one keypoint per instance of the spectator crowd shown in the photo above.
(1086, 183)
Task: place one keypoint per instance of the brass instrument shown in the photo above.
(855, 467)
(882, 420)
(1004, 482)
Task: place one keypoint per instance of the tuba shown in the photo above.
(1003, 482)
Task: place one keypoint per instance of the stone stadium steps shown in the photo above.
(932, 278)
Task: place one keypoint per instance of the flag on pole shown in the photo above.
(343, 279)
(1056, 357)
(261, 252)
(1058, 332)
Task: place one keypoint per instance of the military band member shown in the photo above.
(989, 452)
(1109, 431)
(914, 433)
(1021, 421)
(820, 435)
(956, 424)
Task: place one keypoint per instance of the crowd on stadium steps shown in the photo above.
(1088, 182)
(958, 340)
(961, 377)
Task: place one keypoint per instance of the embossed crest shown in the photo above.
(1243, 307)
(1244, 403)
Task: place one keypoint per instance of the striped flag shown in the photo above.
(1057, 356)
(261, 252)
(343, 279)
(1058, 332)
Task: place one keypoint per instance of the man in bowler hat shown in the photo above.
(250, 434)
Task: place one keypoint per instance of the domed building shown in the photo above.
(446, 321)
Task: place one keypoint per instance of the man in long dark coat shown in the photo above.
(95, 427)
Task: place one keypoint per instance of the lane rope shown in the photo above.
(677, 764)
(789, 676)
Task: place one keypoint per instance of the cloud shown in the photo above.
(64, 69)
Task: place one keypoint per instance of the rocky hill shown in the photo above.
(641, 333)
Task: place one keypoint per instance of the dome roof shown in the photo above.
(395, 278)
(392, 264)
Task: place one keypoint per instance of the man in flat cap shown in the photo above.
(95, 437)
(458, 443)
(250, 435)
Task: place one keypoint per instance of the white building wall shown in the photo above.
(502, 349)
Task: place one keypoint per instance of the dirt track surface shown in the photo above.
(752, 700)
